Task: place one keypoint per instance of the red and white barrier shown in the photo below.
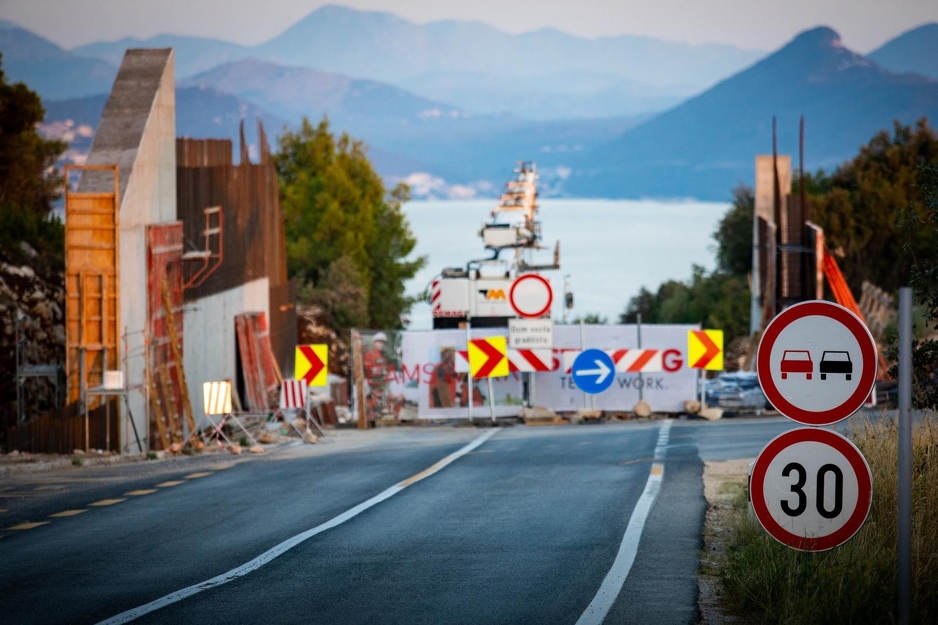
(293, 394)
(519, 360)
(625, 360)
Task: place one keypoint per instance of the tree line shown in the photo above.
(879, 212)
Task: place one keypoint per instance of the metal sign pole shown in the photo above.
(641, 380)
(905, 456)
(586, 397)
(491, 399)
(469, 391)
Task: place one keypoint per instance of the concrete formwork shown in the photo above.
(138, 134)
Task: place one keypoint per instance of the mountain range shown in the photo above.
(471, 65)
(706, 145)
(459, 100)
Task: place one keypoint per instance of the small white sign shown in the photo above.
(530, 333)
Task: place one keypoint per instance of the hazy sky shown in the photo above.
(759, 24)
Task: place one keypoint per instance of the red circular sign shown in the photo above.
(817, 363)
(531, 296)
(811, 489)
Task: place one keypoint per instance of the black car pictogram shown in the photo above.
(835, 362)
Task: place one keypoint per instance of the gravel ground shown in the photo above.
(722, 481)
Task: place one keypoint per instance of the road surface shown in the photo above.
(557, 524)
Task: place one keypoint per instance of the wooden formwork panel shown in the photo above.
(92, 285)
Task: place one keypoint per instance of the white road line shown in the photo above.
(609, 590)
(270, 555)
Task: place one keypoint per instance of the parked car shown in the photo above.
(736, 392)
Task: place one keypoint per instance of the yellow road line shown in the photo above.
(657, 469)
(137, 493)
(194, 476)
(28, 526)
(171, 483)
(106, 502)
(422, 474)
(65, 513)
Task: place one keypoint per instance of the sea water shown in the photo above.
(609, 249)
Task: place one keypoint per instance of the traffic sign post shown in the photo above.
(811, 489)
(817, 363)
(311, 363)
(593, 371)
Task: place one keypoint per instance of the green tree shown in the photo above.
(28, 182)
(858, 204)
(924, 282)
(27, 178)
(336, 207)
(734, 234)
(594, 319)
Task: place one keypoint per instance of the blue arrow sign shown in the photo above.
(593, 371)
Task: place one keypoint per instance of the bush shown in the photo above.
(856, 582)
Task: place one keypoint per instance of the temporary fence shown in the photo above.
(424, 374)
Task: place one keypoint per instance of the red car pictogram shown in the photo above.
(797, 361)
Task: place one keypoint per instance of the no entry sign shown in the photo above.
(817, 363)
(811, 489)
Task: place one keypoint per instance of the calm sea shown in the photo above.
(609, 249)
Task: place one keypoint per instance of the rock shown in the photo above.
(642, 409)
(267, 438)
(256, 449)
(235, 449)
(43, 310)
(309, 437)
(78, 452)
(711, 414)
(28, 249)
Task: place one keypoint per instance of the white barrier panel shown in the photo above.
(441, 390)
(293, 394)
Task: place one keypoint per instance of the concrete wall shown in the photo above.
(209, 335)
(149, 197)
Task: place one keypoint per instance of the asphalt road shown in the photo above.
(558, 524)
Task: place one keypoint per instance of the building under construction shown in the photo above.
(175, 276)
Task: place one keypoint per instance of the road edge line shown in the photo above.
(275, 552)
(609, 590)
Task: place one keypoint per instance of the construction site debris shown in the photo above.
(642, 409)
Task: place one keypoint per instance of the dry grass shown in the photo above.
(856, 582)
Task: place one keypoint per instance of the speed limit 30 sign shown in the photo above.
(811, 489)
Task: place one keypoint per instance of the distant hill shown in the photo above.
(473, 66)
(192, 54)
(705, 146)
(912, 51)
(293, 92)
(49, 70)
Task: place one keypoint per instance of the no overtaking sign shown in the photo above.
(817, 363)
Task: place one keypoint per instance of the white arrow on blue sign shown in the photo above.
(593, 371)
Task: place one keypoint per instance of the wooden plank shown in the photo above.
(177, 356)
(173, 425)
